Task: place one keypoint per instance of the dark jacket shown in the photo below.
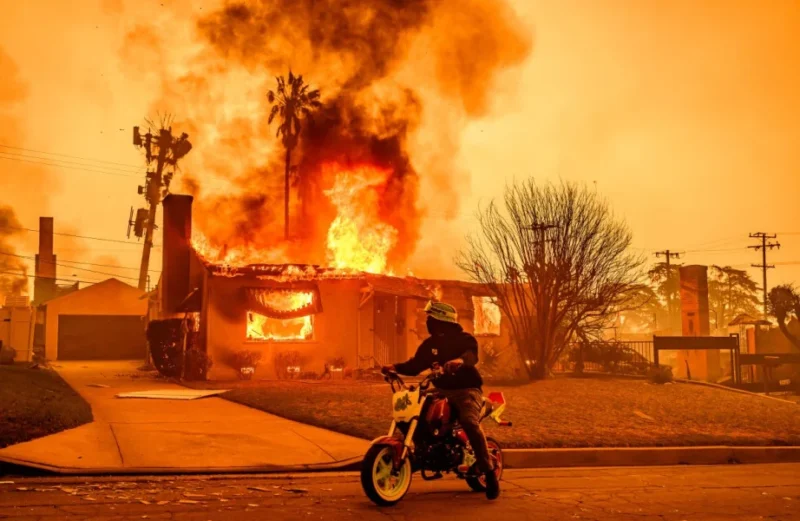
(443, 347)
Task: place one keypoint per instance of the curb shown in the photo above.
(647, 456)
(514, 459)
(17, 466)
(733, 389)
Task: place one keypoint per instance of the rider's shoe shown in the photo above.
(492, 486)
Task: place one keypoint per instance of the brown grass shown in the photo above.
(561, 412)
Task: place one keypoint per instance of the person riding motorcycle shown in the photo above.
(457, 351)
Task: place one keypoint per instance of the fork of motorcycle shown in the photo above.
(408, 443)
(392, 428)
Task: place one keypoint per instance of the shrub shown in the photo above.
(284, 361)
(7, 354)
(243, 360)
(661, 374)
(165, 338)
(198, 363)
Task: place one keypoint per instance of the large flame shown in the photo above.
(357, 239)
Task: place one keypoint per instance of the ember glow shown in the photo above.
(487, 316)
(261, 328)
(357, 239)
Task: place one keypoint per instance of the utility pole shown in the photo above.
(540, 230)
(165, 151)
(763, 237)
(669, 255)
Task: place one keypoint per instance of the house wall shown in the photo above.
(224, 323)
(106, 298)
(15, 331)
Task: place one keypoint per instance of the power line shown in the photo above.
(51, 278)
(72, 235)
(68, 155)
(56, 165)
(73, 267)
(75, 262)
(103, 168)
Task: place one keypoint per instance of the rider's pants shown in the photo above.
(468, 403)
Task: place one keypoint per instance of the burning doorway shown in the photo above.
(389, 328)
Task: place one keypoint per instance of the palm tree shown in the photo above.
(292, 101)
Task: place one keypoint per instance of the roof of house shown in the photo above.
(745, 319)
(95, 287)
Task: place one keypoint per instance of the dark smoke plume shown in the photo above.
(13, 270)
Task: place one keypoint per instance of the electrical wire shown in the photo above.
(68, 155)
(51, 278)
(76, 236)
(65, 162)
(56, 165)
(28, 257)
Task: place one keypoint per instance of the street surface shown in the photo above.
(667, 493)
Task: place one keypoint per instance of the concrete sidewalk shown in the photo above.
(161, 436)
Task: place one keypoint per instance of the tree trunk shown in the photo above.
(788, 334)
(286, 194)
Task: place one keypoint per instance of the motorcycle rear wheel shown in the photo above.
(478, 484)
(382, 486)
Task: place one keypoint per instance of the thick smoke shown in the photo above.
(10, 283)
(387, 69)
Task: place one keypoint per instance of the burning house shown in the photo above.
(321, 314)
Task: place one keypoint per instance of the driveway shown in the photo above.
(146, 435)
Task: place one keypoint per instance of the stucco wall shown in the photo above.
(335, 329)
(110, 297)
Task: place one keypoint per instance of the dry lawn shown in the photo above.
(561, 412)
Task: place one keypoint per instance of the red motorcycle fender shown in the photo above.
(397, 446)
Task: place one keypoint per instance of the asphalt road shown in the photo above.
(668, 493)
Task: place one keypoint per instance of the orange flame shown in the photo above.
(357, 239)
(487, 316)
(264, 329)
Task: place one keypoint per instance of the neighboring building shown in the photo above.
(15, 327)
(104, 321)
(320, 313)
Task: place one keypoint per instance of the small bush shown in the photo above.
(661, 374)
(165, 338)
(198, 363)
(7, 354)
(286, 364)
(244, 360)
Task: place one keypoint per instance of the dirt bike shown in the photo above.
(425, 436)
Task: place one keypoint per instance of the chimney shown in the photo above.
(176, 250)
(44, 284)
(694, 300)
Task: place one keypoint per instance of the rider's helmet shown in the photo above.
(441, 311)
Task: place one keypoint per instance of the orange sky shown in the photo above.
(686, 117)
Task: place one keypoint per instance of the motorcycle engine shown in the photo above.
(443, 456)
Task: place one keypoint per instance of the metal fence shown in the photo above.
(608, 356)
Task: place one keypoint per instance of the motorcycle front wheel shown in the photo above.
(478, 484)
(382, 485)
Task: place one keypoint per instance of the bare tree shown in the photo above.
(557, 261)
(783, 304)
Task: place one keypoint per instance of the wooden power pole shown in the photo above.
(669, 255)
(165, 151)
(763, 237)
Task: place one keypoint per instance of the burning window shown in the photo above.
(264, 329)
(281, 315)
(487, 316)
